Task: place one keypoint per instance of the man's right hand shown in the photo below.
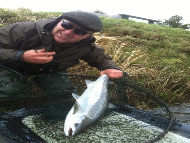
(37, 56)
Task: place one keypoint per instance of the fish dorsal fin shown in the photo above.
(89, 82)
(75, 96)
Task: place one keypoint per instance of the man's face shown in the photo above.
(62, 35)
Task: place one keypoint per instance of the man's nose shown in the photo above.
(70, 31)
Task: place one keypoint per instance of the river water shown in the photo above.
(2, 139)
(182, 112)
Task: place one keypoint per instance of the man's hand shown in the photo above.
(37, 56)
(112, 73)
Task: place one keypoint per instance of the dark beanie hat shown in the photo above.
(84, 20)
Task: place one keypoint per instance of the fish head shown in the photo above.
(74, 124)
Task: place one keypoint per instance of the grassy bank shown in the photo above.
(156, 56)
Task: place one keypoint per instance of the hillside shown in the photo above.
(156, 56)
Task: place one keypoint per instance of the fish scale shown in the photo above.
(100, 101)
(95, 99)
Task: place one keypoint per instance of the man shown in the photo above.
(53, 45)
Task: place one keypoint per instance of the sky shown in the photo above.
(151, 9)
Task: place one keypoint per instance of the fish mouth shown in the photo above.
(70, 132)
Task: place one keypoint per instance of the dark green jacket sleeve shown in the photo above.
(99, 59)
(11, 38)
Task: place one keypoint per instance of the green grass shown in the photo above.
(165, 45)
(157, 56)
(166, 50)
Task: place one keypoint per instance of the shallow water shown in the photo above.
(2, 139)
(181, 112)
(113, 127)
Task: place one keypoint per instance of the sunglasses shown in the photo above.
(77, 31)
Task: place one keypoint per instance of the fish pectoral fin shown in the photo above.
(77, 107)
(89, 117)
(89, 82)
(75, 96)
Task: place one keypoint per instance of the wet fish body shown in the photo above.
(88, 107)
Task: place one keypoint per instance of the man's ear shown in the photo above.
(89, 35)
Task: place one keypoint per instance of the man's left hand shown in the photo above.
(112, 73)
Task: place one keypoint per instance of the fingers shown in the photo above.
(42, 60)
(115, 75)
(112, 73)
(43, 53)
(41, 50)
(37, 56)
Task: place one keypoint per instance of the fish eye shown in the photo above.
(76, 124)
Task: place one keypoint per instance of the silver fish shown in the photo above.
(88, 107)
